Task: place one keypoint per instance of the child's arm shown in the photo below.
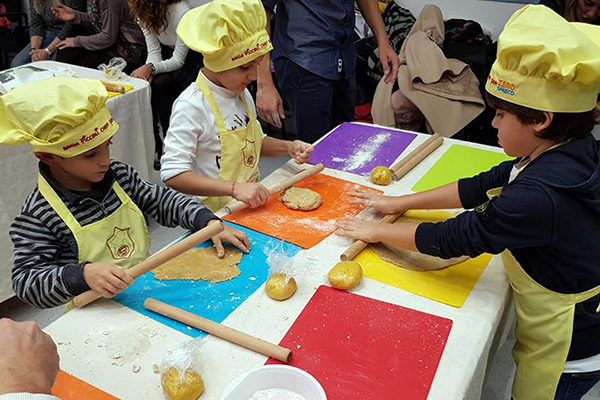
(254, 194)
(40, 280)
(298, 150)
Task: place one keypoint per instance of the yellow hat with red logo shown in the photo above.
(546, 63)
(228, 33)
(62, 115)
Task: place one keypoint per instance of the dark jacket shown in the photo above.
(548, 217)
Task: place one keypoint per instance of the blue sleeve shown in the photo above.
(269, 5)
(523, 216)
(473, 191)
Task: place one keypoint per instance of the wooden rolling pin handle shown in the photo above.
(359, 245)
(414, 161)
(291, 181)
(157, 259)
(224, 332)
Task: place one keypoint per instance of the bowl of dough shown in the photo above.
(275, 382)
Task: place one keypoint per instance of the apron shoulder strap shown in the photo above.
(57, 204)
(201, 82)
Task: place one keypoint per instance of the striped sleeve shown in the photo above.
(38, 277)
(167, 206)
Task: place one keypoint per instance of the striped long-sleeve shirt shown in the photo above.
(46, 271)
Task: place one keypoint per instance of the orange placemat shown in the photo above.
(304, 228)
(67, 387)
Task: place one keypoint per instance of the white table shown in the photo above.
(133, 144)
(478, 330)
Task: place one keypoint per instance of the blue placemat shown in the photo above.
(213, 301)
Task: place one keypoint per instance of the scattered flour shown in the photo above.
(276, 394)
(366, 151)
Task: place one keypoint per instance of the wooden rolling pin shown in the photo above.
(291, 181)
(399, 169)
(405, 165)
(157, 259)
(224, 332)
(359, 245)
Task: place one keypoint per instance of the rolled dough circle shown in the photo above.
(278, 287)
(300, 199)
(345, 275)
(182, 386)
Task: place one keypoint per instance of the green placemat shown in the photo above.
(456, 163)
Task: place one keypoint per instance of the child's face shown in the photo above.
(89, 167)
(238, 78)
(516, 138)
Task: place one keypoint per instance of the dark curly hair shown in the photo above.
(151, 14)
(564, 126)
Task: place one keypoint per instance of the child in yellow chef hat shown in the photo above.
(541, 210)
(214, 140)
(86, 220)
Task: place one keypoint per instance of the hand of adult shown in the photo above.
(144, 72)
(29, 361)
(389, 62)
(39, 55)
(269, 105)
(63, 12)
(65, 44)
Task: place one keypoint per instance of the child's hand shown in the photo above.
(360, 229)
(106, 279)
(232, 236)
(253, 194)
(379, 203)
(300, 151)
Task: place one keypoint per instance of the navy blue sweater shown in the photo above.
(548, 217)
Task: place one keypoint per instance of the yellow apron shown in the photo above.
(240, 148)
(121, 238)
(544, 329)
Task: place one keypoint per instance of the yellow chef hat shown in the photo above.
(546, 63)
(62, 116)
(229, 33)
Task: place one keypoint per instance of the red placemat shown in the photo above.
(361, 348)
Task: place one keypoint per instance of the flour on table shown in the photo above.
(276, 394)
(366, 151)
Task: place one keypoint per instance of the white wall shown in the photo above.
(490, 14)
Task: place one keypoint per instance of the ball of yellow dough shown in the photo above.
(278, 289)
(381, 175)
(345, 275)
(186, 386)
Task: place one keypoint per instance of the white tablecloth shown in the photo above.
(133, 144)
(478, 330)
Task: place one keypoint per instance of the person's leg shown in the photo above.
(22, 57)
(309, 98)
(83, 57)
(344, 101)
(575, 386)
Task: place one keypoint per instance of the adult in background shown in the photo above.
(113, 33)
(587, 11)
(170, 66)
(46, 32)
(314, 59)
(28, 362)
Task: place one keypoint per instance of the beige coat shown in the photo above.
(445, 90)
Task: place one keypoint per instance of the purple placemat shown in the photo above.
(359, 148)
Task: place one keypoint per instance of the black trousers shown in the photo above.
(317, 104)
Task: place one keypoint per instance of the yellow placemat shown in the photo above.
(450, 286)
(456, 163)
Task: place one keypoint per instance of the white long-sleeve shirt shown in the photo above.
(168, 37)
(192, 142)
